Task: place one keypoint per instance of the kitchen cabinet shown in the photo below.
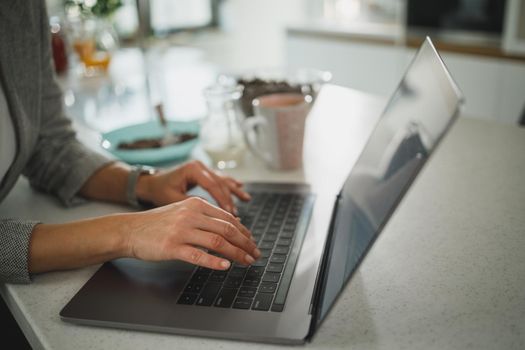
(494, 87)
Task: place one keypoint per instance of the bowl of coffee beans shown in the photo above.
(307, 81)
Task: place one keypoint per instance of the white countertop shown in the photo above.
(448, 270)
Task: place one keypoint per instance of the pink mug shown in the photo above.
(275, 134)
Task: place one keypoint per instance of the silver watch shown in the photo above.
(133, 177)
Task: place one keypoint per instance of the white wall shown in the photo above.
(256, 30)
(494, 88)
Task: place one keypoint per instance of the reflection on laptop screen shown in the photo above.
(416, 117)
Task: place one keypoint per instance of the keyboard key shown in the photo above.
(263, 218)
(252, 211)
(259, 225)
(218, 276)
(275, 267)
(287, 234)
(267, 287)
(278, 258)
(251, 282)
(265, 253)
(289, 227)
(255, 271)
(266, 245)
(199, 278)
(281, 209)
(247, 292)
(238, 272)
(204, 270)
(239, 266)
(271, 277)
(261, 262)
(284, 241)
(209, 292)
(270, 237)
(262, 302)
(225, 298)
(281, 249)
(233, 282)
(187, 299)
(258, 231)
(277, 307)
(193, 288)
(242, 303)
(275, 225)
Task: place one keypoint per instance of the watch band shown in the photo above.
(133, 177)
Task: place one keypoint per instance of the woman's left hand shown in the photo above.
(170, 186)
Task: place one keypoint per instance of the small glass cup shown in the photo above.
(94, 41)
(221, 135)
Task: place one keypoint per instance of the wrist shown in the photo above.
(122, 243)
(138, 189)
(143, 188)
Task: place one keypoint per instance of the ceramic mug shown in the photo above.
(275, 133)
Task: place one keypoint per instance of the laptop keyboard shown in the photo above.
(278, 223)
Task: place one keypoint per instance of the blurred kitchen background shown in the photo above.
(169, 50)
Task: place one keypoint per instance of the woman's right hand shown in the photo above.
(181, 230)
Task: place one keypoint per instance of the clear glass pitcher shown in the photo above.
(221, 135)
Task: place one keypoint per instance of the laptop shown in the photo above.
(311, 244)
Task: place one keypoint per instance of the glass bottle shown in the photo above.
(58, 45)
(221, 135)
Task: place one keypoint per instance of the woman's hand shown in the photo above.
(180, 231)
(171, 186)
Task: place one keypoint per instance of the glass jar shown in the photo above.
(94, 40)
(221, 135)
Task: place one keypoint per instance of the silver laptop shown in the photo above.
(285, 296)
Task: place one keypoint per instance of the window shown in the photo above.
(170, 15)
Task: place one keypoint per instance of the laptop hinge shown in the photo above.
(321, 272)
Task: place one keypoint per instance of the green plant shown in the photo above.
(99, 8)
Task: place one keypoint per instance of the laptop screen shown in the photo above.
(415, 119)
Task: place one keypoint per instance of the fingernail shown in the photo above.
(235, 211)
(257, 253)
(249, 259)
(247, 196)
(225, 264)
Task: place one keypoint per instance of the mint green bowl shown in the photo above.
(153, 129)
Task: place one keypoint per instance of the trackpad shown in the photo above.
(130, 291)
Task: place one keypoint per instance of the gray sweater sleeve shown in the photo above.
(60, 164)
(14, 250)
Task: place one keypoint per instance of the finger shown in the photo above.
(235, 181)
(210, 210)
(226, 189)
(206, 181)
(219, 244)
(230, 232)
(237, 190)
(199, 257)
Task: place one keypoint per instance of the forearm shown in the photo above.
(78, 244)
(107, 184)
